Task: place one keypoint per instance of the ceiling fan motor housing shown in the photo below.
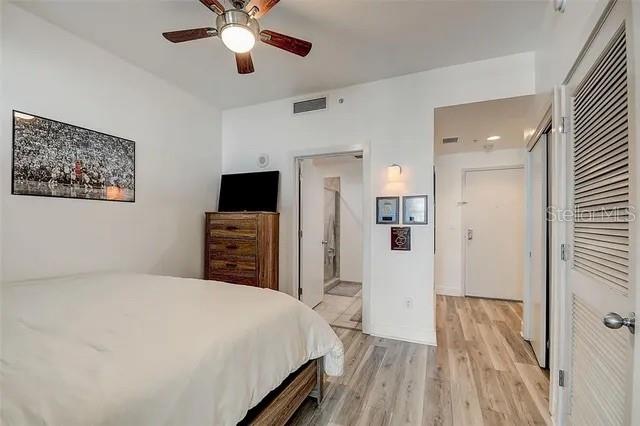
(238, 18)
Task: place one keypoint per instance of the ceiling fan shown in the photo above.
(239, 29)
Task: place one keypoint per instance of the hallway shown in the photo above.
(481, 373)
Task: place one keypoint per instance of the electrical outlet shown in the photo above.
(408, 303)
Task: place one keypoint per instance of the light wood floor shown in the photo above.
(481, 373)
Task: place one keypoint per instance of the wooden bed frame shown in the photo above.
(281, 403)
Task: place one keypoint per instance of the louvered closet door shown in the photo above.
(600, 274)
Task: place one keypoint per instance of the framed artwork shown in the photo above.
(387, 210)
(55, 159)
(401, 238)
(414, 210)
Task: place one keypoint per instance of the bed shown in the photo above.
(125, 349)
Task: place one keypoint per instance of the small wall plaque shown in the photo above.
(401, 238)
(414, 210)
(387, 210)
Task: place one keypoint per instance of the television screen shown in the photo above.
(250, 192)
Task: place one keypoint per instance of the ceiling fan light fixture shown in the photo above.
(238, 38)
(239, 30)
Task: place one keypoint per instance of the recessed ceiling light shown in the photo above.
(493, 138)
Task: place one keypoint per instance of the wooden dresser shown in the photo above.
(242, 248)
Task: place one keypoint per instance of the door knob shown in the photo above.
(614, 321)
(325, 242)
(469, 234)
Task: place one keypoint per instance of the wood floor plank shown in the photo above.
(496, 349)
(518, 348)
(467, 323)
(522, 400)
(489, 391)
(480, 315)
(384, 393)
(359, 387)
(538, 386)
(437, 403)
(409, 404)
(464, 398)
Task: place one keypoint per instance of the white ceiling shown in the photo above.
(473, 123)
(354, 41)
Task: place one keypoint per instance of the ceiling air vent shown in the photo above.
(451, 140)
(310, 105)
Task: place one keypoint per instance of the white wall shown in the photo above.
(394, 119)
(52, 73)
(449, 232)
(564, 34)
(350, 174)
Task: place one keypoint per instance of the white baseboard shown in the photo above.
(449, 290)
(405, 334)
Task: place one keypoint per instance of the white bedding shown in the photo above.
(124, 349)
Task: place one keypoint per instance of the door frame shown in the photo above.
(527, 299)
(463, 265)
(296, 159)
(544, 127)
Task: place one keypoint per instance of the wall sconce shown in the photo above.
(394, 172)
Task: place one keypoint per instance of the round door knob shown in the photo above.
(614, 321)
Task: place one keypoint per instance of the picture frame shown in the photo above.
(387, 210)
(401, 238)
(51, 158)
(415, 210)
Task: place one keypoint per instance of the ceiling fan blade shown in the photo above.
(188, 35)
(285, 42)
(214, 5)
(263, 7)
(244, 63)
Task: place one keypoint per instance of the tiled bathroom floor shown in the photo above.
(342, 311)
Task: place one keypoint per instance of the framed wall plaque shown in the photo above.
(414, 210)
(387, 210)
(401, 238)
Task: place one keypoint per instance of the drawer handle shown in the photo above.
(231, 265)
(232, 228)
(232, 247)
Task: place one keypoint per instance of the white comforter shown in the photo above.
(123, 349)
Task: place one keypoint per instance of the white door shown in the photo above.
(538, 248)
(600, 276)
(312, 225)
(493, 219)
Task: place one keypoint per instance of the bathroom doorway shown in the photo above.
(331, 246)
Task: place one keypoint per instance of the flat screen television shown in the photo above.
(249, 192)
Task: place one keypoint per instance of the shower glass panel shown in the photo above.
(331, 240)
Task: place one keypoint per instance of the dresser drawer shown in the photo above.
(237, 267)
(221, 228)
(223, 247)
(234, 279)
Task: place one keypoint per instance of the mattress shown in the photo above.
(127, 349)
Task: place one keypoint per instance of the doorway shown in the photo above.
(331, 247)
(480, 152)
